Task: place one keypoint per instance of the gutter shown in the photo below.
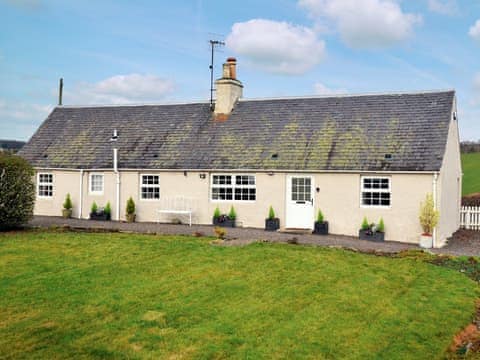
(258, 171)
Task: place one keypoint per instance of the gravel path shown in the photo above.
(463, 243)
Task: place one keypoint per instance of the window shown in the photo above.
(234, 187)
(376, 191)
(45, 185)
(301, 189)
(96, 183)
(150, 188)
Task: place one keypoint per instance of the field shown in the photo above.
(471, 173)
(113, 295)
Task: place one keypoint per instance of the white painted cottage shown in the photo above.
(349, 155)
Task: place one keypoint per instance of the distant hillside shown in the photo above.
(471, 173)
(11, 145)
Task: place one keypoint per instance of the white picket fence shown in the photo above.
(470, 217)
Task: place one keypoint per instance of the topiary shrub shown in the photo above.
(130, 206)
(108, 209)
(17, 191)
(271, 213)
(67, 204)
(94, 208)
(216, 213)
(232, 215)
(381, 226)
(320, 217)
(365, 224)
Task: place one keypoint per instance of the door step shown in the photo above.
(296, 231)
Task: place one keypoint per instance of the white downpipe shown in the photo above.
(80, 202)
(115, 169)
(434, 191)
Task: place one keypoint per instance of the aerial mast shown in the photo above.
(213, 43)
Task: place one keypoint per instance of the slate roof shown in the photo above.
(317, 133)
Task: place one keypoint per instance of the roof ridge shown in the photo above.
(392, 93)
(83, 106)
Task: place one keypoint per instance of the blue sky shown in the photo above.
(157, 51)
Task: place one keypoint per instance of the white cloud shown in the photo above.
(364, 23)
(474, 31)
(321, 89)
(277, 47)
(21, 111)
(121, 89)
(445, 7)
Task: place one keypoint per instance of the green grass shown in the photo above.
(471, 173)
(137, 296)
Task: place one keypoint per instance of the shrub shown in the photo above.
(67, 205)
(232, 215)
(428, 215)
(381, 226)
(271, 213)
(320, 217)
(17, 191)
(94, 208)
(220, 232)
(365, 224)
(216, 213)
(108, 209)
(130, 206)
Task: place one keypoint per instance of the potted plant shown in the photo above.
(272, 223)
(371, 231)
(428, 220)
(130, 210)
(97, 213)
(224, 220)
(320, 226)
(67, 207)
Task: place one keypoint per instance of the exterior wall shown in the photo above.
(449, 187)
(64, 182)
(338, 198)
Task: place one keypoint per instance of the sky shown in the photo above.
(122, 52)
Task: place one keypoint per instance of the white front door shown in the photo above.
(299, 207)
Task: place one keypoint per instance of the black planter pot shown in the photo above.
(321, 228)
(224, 222)
(371, 236)
(100, 216)
(272, 224)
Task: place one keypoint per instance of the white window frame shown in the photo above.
(149, 186)
(90, 182)
(363, 190)
(45, 184)
(233, 186)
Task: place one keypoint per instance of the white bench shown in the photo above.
(177, 205)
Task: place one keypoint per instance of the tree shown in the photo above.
(17, 191)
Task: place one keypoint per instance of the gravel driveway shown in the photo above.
(463, 243)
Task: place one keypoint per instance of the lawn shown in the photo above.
(139, 296)
(471, 173)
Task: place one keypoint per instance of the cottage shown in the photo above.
(349, 155)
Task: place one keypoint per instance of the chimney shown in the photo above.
(229, 89)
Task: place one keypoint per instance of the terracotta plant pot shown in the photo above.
(130, 218)
(67, 213)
